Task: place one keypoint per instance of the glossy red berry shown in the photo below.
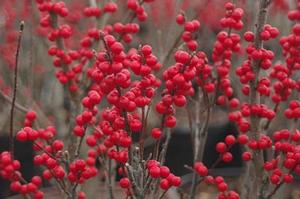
(170, 121)
(180, 19)
(200, 169)
(125, 183)
(22, 136)
(156, 133)
(230, 140)
(164, 171)
(227, 157)
(249, 36)
(246, 156)
(221, 147)
(164, 184)
(222, 186)
(176, 181)
(31, 115)
(154, 172)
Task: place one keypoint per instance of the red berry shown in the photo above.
(246, 156)
(156, 133)
(222, 187)
(58, 145)
(180, 19)
(227, 157)
(15, 186)
(182, 57)
(81, 195)
(249, 36)
(146, 50)
(209, 180)
(110, 7)
(210, 87)
(275, 179)
(176, 181)
(91, 141)
(39, 195)
(154, 172)
(30, 115)
(125, 183)
(221, 100)
(200, 169)
(164, 184)
(221, 147)
(170, 121)
(47, 174)
(243, 139)
(179, 100)
(164, 171)
(265, 35)
(234, 103)
(296, 29)
(32, 187)
(229, 6)
(32, 134)
(230, 140)
(288, 178)
(189, 26)
(78, 131)
(36, 180)
(22, 136)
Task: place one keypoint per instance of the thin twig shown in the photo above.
(11, 133)
(163, 194)
(275, 109)
(275, 190)
(200, 139)
(165, 147)
(60, 184)
(135, 188)
(190, 120)
(77, 150)
(143, 134)
(18, 106)
(41, 148)
(41, 117)
(204, 128)
(110, 175)
(73, 196)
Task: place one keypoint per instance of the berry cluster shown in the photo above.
(290, 161)
(82, 170)
(178, 84)
(10, 171)
(113, 83)
(138, 9)
(218, 181)
(232, 17)
(224, 147)
(167, 179)
(293, 111)
(189, 35)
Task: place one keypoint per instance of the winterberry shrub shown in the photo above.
(112, 87)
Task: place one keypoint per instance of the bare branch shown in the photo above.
(13, 103)
(256, 179)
